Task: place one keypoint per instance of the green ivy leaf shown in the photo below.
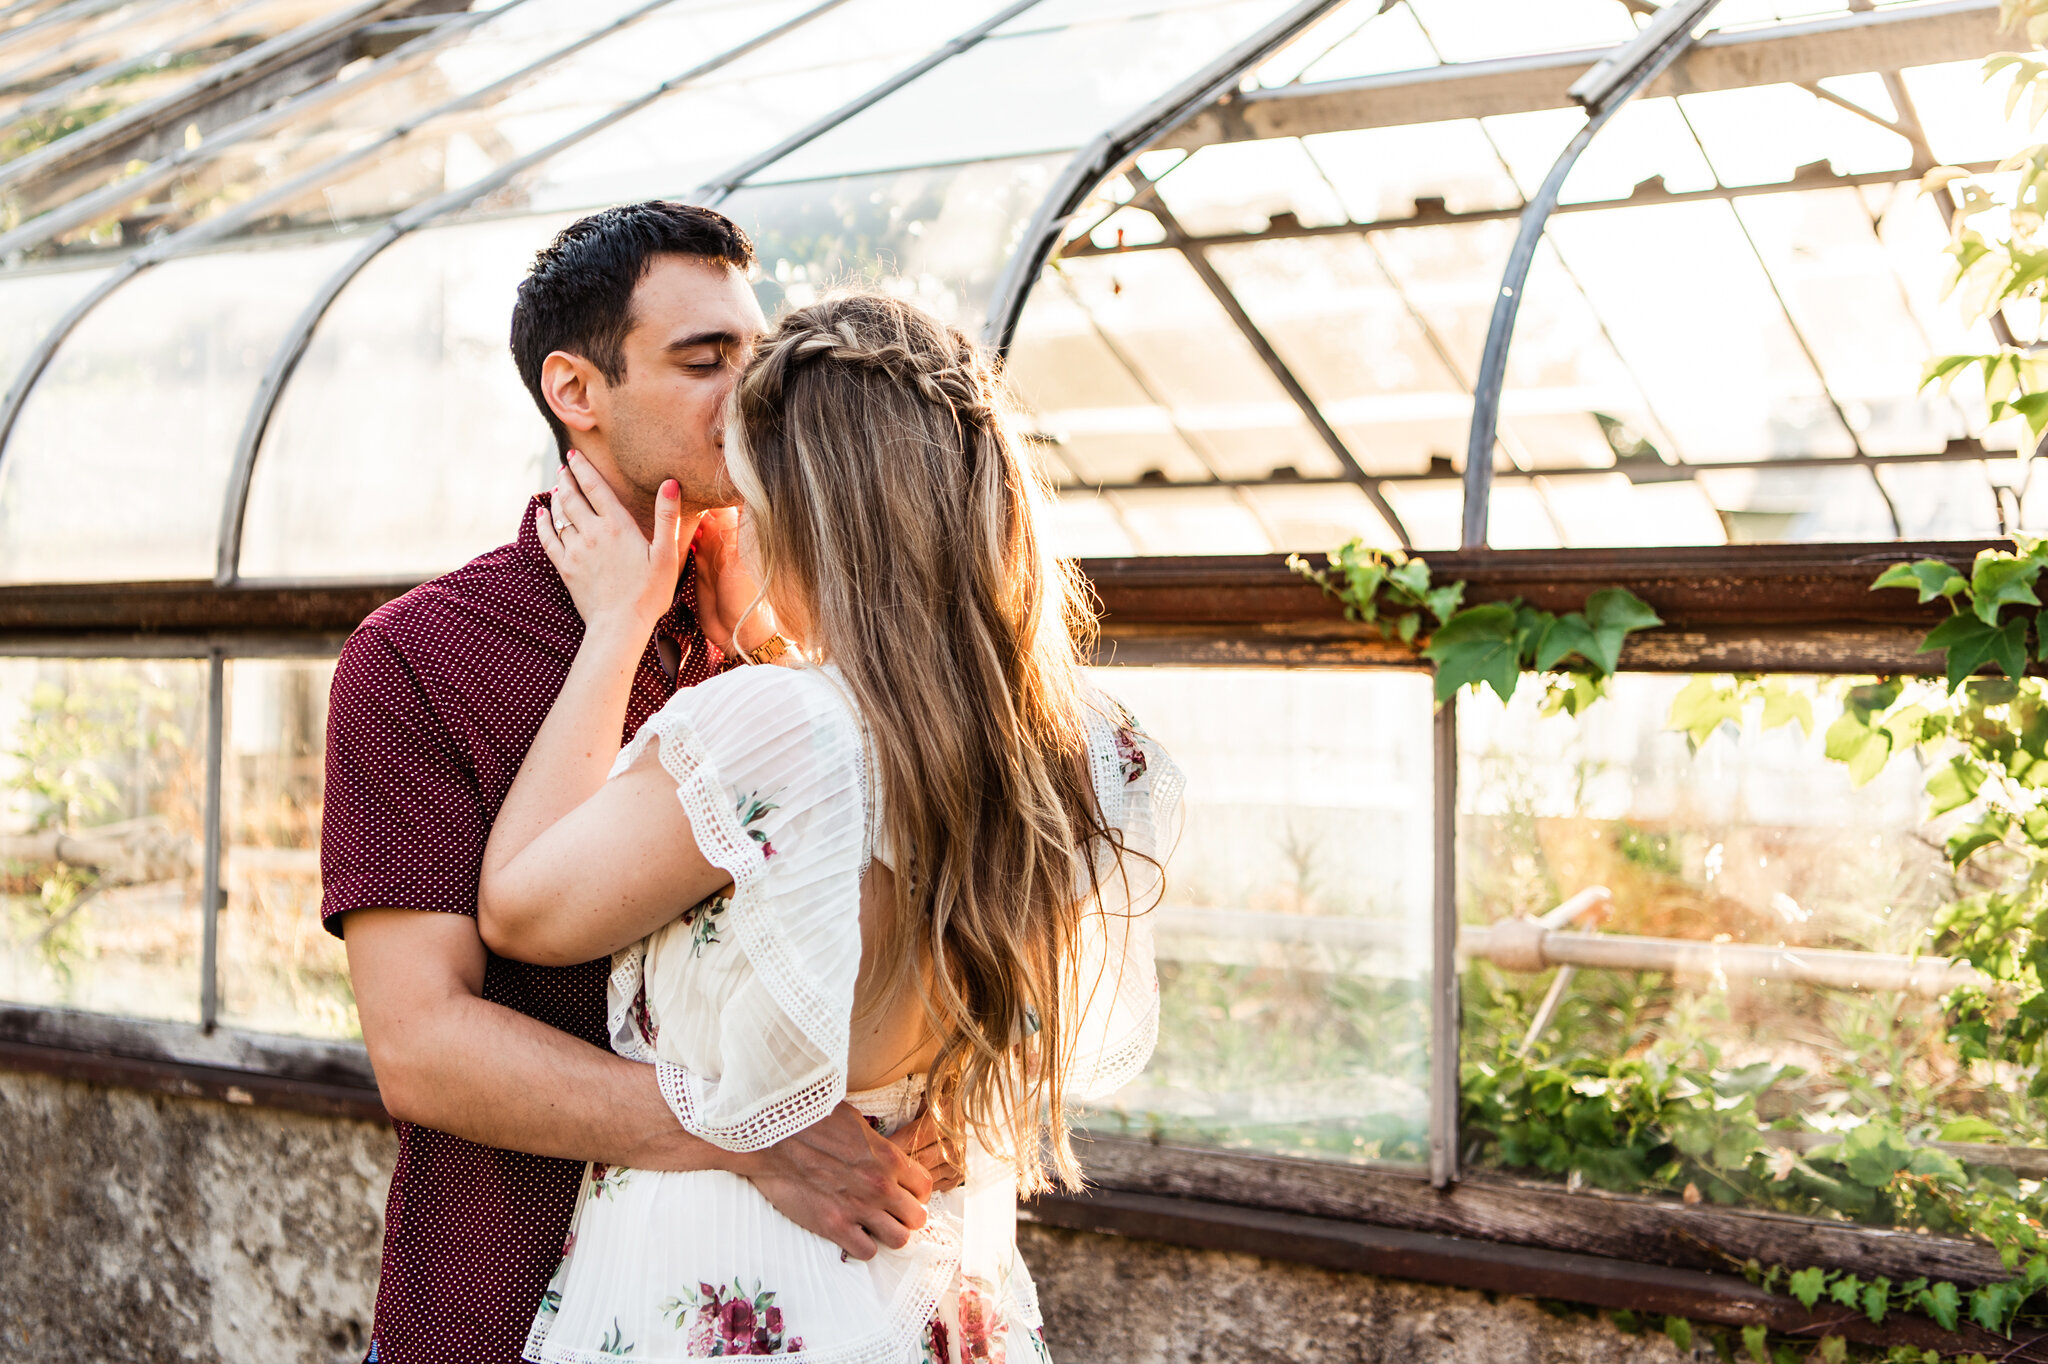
(1943, 1302)
(1614, 613)
(1407, 625)
(1972, 1129)
(1971, 837)
(1784, 706)
(1703, 706)
(1411, 577)
(1971, 644)
(1876, 1298)
(1755, 1341)
(1443, 601)
(1931, 578)
(1806, 1285)
(1834, 1350)
(1565, 635)
(1476, 645)
(1953, 786)
(1988, 1305)
(1680, 1332)
(1873, 1153)
(1864, 748)
(1997, 580)
(1847, 1290)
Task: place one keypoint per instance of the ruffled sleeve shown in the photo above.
(1115, 1004)
(769, 768)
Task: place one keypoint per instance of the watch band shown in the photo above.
(768, 650)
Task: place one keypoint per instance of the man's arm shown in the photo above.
(447, 1058)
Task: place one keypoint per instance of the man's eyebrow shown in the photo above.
(721, 339)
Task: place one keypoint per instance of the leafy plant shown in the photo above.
(1491, 644)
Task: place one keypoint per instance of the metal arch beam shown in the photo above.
(86, 207)
(77, 9)
(1647, 57)
(1282, 374)
(293, 348)
(202, 233)
(266, 57)
(1099, 160)
(1795, 53)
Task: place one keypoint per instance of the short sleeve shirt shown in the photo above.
(436, 699)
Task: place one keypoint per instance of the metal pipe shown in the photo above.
(210, 894)
(1526, 945)
(1588, 903)
(1644, 62)
(1444, 1072)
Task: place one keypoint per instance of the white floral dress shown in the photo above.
(745, 1005)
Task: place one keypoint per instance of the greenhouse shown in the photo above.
(1558, 475)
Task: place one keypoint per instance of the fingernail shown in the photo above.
(671, 488)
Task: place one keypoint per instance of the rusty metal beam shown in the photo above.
(1728, 608)
(1881, 40)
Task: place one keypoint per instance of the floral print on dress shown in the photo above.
(1130, 758)
(615, 1342)
(984, 1335)
(752, 810)
(938, 1347)
(605, 1181)
(719, 1322)
(702, 919)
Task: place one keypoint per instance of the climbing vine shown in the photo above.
(1491, 644)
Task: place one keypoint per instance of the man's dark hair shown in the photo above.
(579, 295)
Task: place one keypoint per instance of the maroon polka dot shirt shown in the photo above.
(436, 699)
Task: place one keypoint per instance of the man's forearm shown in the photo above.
(486, 1073)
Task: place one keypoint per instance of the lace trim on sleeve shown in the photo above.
(823, 1020)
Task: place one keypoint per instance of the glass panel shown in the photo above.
(1346, 332)
(1085, 526)
(1766, 134)
(1739, 836)
(453, 149)
(26, 17)
(1243, 186)
(102, 775)
(1433, 510)
(1034, 92)
(331, 120)
(280, 972)
(32, 304)
(691, 135)
(1607, 509)
(1313, 519)
(1422, 167)
(1294, 937)
(1093, 416)
(1153, 307)
(1193, 520)
(1391, 41)
(423, 328)
(1943, 501)
(1764, 505)
(1822, 250)
(1646, 144)
(940, 237)
(1963, 116)
(88, 30)
(1475, 30)
(153, 61)
(167, 367)
(1740, 387)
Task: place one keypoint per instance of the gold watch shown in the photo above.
(767, 651)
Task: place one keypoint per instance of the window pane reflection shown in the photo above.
(280, 972)
(167, 367)
(32, 304)
(1294, 938)
(102, 779)
(405, 444)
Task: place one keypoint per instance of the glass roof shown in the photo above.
(1261, 331)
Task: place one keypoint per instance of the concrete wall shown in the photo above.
(135, 1227)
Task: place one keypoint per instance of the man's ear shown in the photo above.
(575, 390)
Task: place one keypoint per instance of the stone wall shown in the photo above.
(135, 1227)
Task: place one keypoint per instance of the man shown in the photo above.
(630, 333)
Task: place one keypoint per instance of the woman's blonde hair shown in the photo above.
(889, 492)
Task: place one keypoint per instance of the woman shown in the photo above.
(908, 868)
